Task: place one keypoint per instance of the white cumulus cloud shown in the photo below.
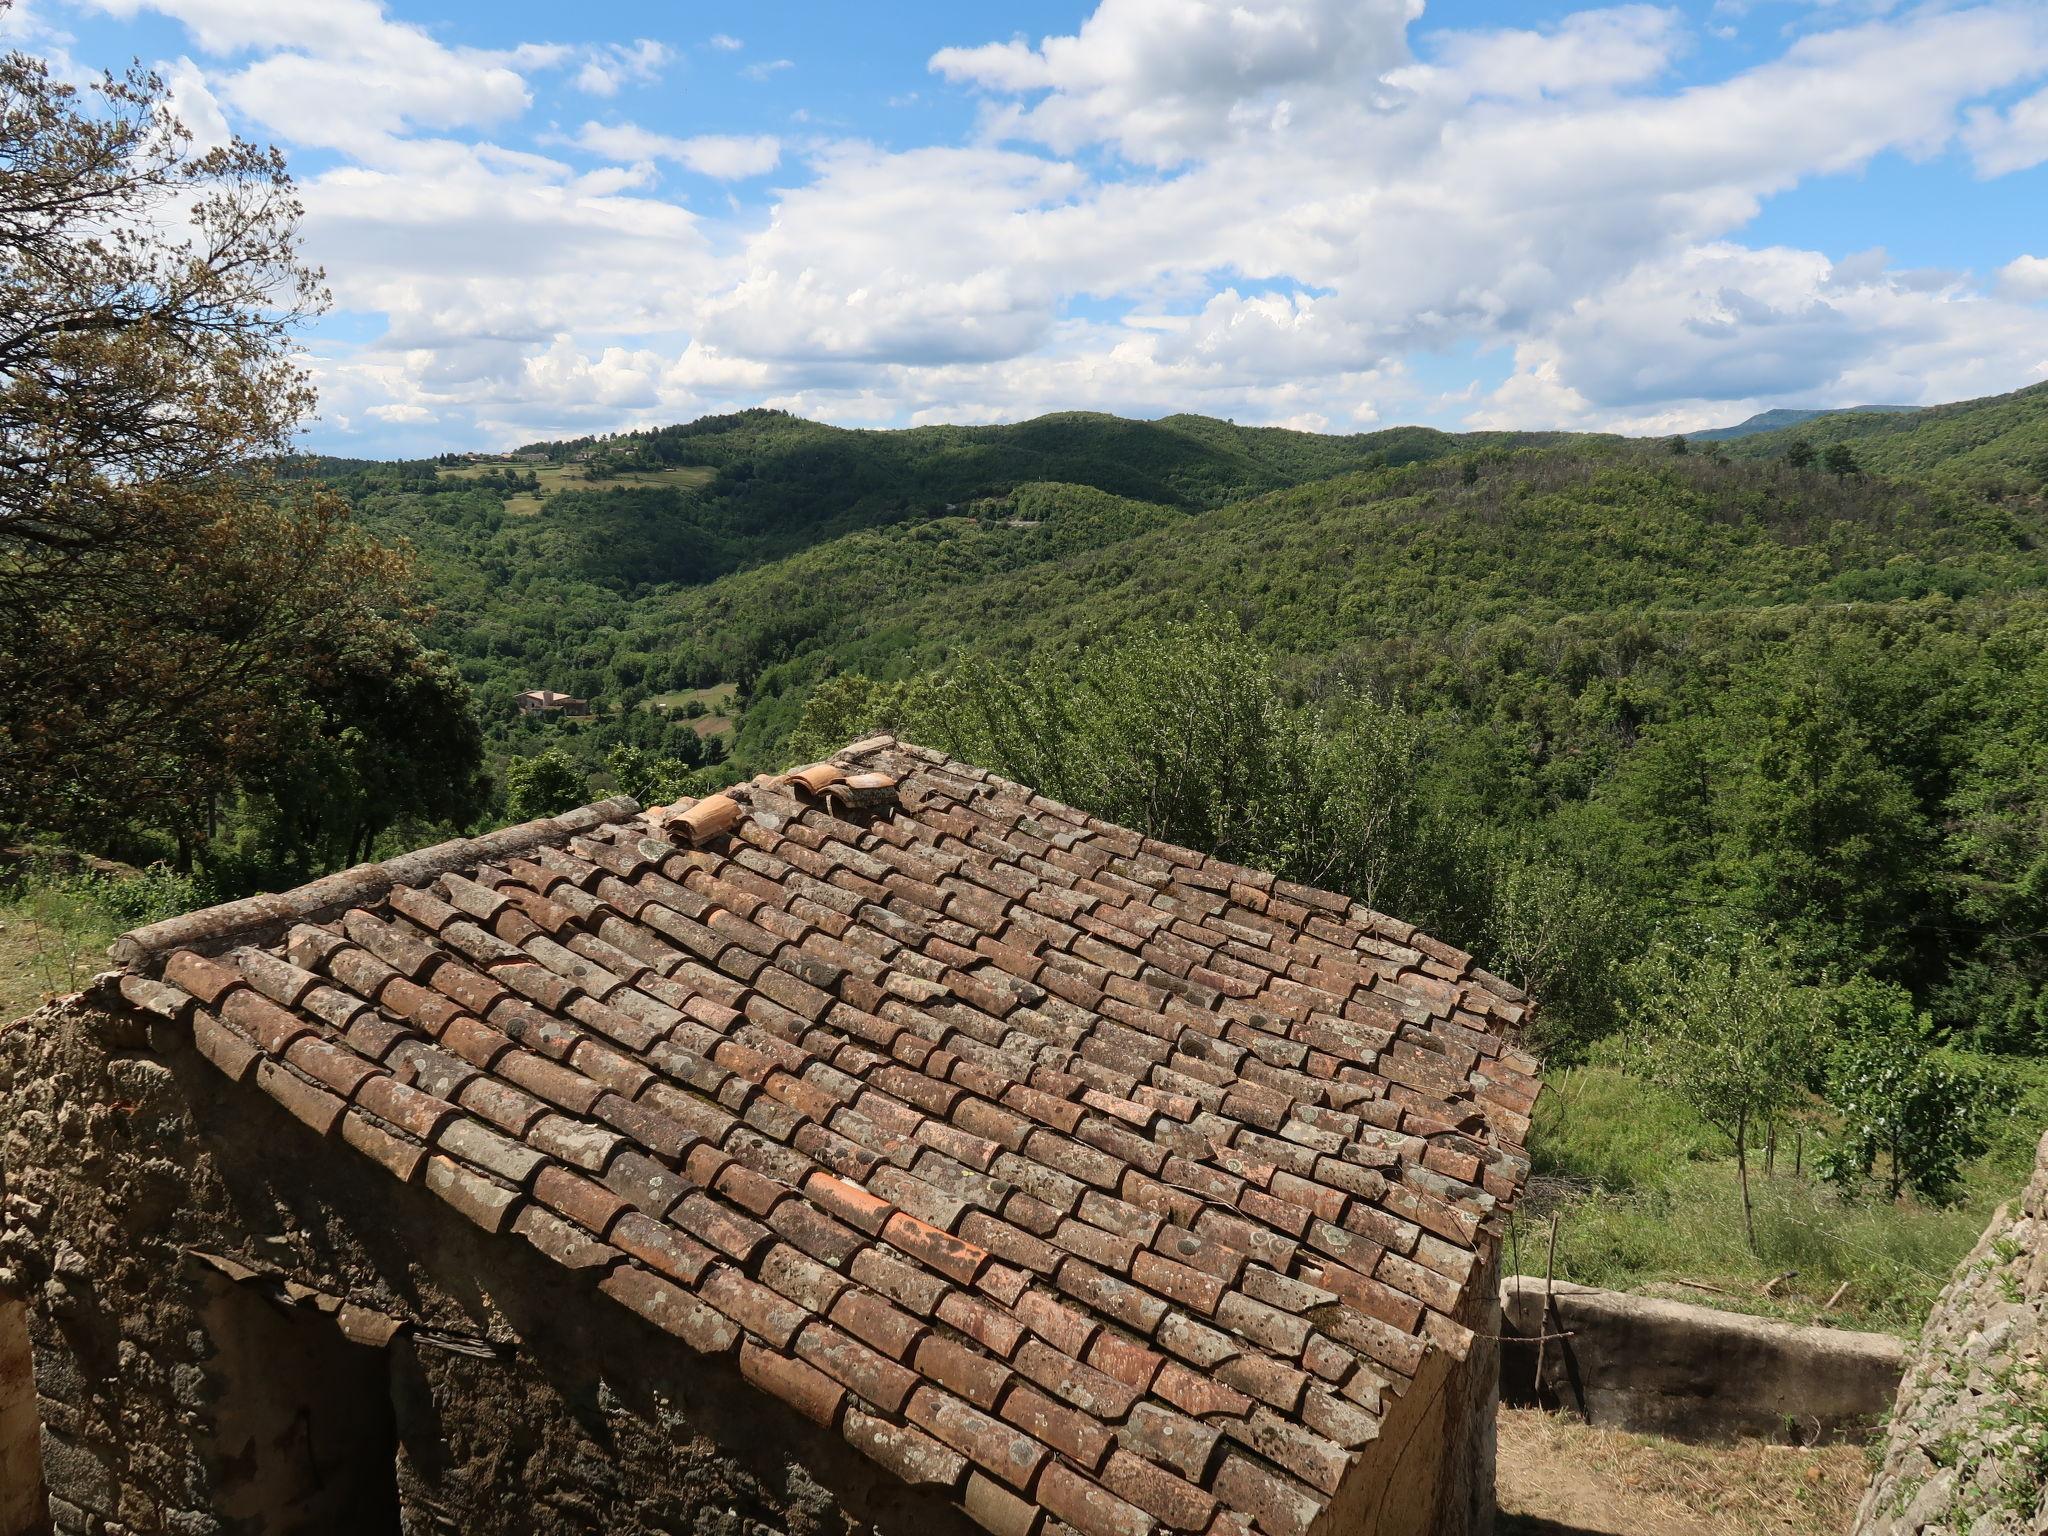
(729, 157)
(1266, 209)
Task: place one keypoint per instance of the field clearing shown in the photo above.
(1559, 1477)
(1646, 1200)
(555, 478)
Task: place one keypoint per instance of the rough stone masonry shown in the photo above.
(1968, 1449)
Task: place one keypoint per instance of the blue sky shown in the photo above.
(540, 220)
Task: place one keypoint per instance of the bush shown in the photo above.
(1923, 1111)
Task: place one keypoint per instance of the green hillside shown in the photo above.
(1597, 646)
(1784, 416)
(1996, 447)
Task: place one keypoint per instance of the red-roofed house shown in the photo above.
(878, 1147)
(545, 701)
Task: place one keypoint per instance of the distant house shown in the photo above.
(545, 701)
(532, 456)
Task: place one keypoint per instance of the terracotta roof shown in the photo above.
(1045, 1162)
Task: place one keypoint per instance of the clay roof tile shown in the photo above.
(1009, 1143)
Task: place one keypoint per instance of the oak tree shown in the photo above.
(172, 598)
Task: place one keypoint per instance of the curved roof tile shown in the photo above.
(1041, 1159)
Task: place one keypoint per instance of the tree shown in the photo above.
(1923, 1112)
(168, 604)
(545, 784)
(1825, 802)
(1679, 447)
(1723, 1024)
(1179, 733)
(1996, 848)
(1799, 453)
(1841, 460)
(650, 777)
(395, 738)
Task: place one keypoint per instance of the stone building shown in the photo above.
(545, 701)
(882, 1147)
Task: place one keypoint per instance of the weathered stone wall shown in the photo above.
(122, 1151)
(1968, 1449)
(1694, 1373)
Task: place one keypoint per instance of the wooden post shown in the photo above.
(1543, 1322)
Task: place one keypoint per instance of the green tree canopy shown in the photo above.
(1722, 1022)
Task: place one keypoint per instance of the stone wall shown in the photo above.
(1694, 1373)
(1968, 1449)
(174, 1401)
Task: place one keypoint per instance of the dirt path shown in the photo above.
(1558, 1477)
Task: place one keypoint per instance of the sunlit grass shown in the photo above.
(1647, 1199)
(51, 943)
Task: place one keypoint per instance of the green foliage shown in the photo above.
(1180, 734)
(56, 923)
(1649, 1197)
(1995, 447)
(1723, 1024)
(1597, 1125)
(545, 784)
(648, 778)
(124, 900)
(396, 739)
(1924, 1113)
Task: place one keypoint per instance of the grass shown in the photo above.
(717, 719)
(55, 927)
(51, 944)
(1646, 1200)
(555, 478)
(1559, 1477)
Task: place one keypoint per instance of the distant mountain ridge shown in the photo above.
(1792, 416)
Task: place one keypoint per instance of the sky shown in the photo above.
(541, 220)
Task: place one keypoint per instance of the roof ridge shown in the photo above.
(269, 915)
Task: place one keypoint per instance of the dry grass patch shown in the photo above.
(47, 950)
(1559, 1477)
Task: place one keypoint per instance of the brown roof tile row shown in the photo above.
(1074, 1172)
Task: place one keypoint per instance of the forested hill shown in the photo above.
(1997, 447)
(786, 463)
(1601, 639)
(767, 552)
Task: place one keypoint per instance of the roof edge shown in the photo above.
(268, 916)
